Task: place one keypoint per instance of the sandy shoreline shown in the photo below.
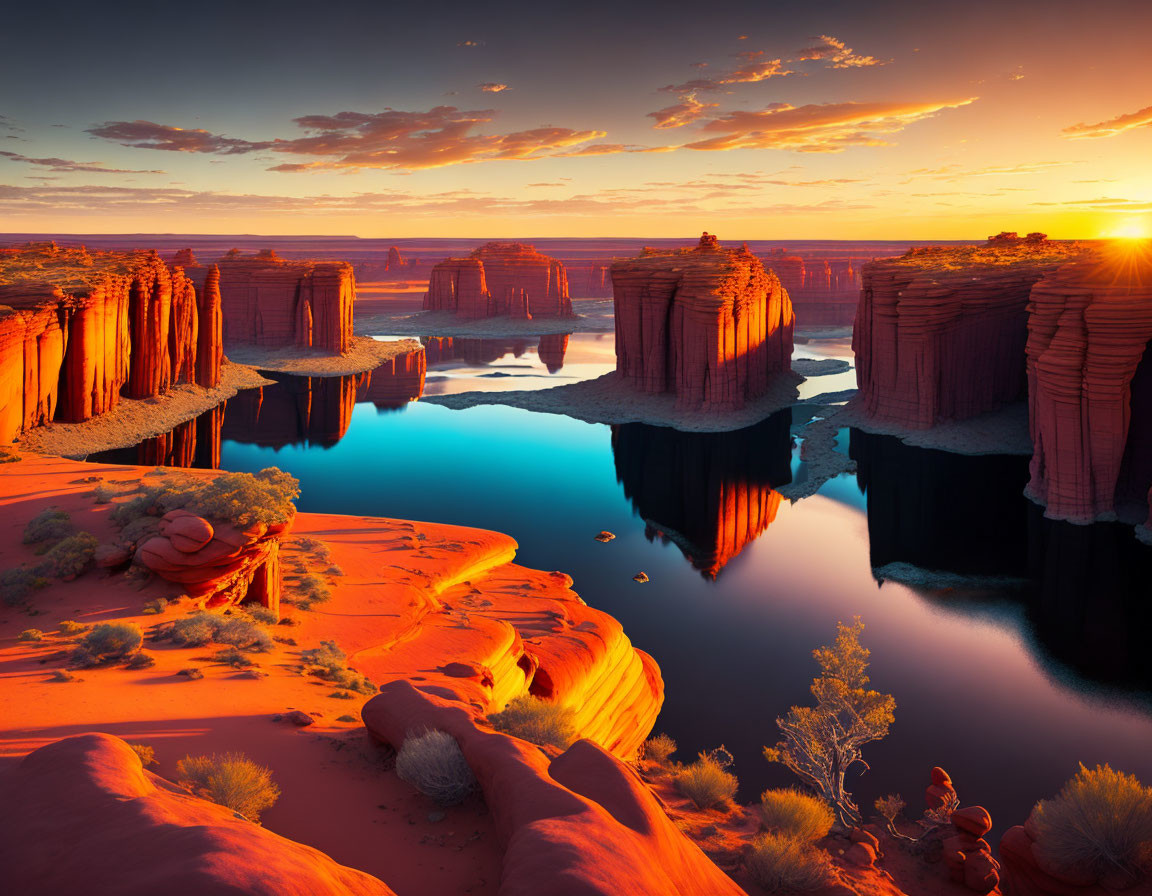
(591, 316)
(606, 400)
(999, 432)
(365, 354)
(137, 419)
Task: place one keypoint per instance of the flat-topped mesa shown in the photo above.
(500, 279)
(78, 329)
(940, 331)
(269, 301)
(707, 323)
(1089, 362)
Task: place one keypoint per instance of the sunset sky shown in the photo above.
(760, 120)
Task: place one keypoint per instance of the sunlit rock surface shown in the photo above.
(82, 816)
(707, 323)
(500, 279)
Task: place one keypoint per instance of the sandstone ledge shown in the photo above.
(363, 354)
(608, 399)
(441, 323)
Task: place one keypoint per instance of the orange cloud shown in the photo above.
(826, 127)
(755, 69)
(688, 110)
(837, 55)
(493, 87)
(1113, 126)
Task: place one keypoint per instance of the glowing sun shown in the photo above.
(1133, 229)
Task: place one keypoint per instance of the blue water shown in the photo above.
(1007, 687)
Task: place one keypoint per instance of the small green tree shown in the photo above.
(821, 743)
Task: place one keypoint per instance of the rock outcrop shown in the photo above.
(940, 331)
(500, 279)
(79, 329)
(580, 822)
(706, 323)
(269, 301)
(218, 564)
(1089, 356)
(824, 290)
(82, 816)
(395, 259)
(711, 494)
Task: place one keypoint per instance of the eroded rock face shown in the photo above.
(707, 323)
(1089, 370)
(218, 564)
(82, 816)
(269, 301)
(395, 259)
(79, 329)
(940, 331)
(582, 822)
(500, 279)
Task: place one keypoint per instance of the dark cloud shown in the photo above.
(149, 135)
(68, 165)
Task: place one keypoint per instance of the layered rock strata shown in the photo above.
(1089, 367)
(80, 329)
(706, 323)
(940, 331)
(82, 815)
(500, 279)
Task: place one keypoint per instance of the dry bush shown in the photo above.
(230, 779)
(146, 753)
(48, 525)
(108, 641)
(260, 614)
(238, 498)
(30, 634)
(69, 557)
(329, 662)
(537, 721)
(210, 628)
(707, 781)
(659, 749)
(780, 862)
(17, 584)
(68, 627)
(155, 607)
(433, 763)
(797, 814)
(1100, 822)
(9, 455)
(311, 589)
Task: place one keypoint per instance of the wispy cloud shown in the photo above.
(69, 165)
(493, 87)
(951, 172)
(756, 68)
(834, 52)
(1112, 126)
(688, 110)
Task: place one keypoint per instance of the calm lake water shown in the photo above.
(1008, 685)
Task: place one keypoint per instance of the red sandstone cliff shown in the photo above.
(500, 279)
(79, 329)
(707, 323)
(940, 331)
(1089, 363)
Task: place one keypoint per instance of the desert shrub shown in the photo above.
(329, 662)
(69, 557)
(141, 660)
(659, 749)
(210, 628)
(62, 675)
(341, 695)
(334, 570)
(311, 589)
(104, 494)
(191, 673)
(16, 584)
(237, 659)
(1100, 822)
(239, 498)
(433, 763)
(232, 780)
(146, 753)
(797, 814)
(260, 614)
(9, 455)
(48, 525)
(707, 781)
(347, 718)
(107, 641)
(780, 862)
(537, 721)
(155, 607)
(68, 627)
(31, 634)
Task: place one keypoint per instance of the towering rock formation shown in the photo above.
(940, 331)
(711, 494)
(500, 279)
(79, 329)
(824, 290)
(1090, 386)
(706, 323)
(395, 260)
(268, 301)
(210, 348)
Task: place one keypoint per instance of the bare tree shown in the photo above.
(821, 743)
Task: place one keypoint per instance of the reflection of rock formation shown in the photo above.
(500, 279)
(268, 301)
(938, 511)
(1090, 386)
(394, 383)
(710, 493)
(940, 332)
(79, 329)
(707, 323)
(551, 351)
(194, 443)
(297, 409)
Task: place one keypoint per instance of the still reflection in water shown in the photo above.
(1008, 686)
